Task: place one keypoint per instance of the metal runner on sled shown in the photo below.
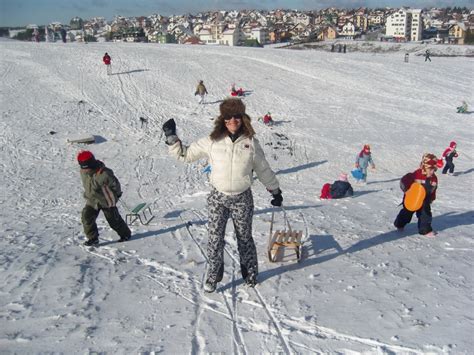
(284, 239)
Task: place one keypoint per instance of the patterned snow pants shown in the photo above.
(240, 209)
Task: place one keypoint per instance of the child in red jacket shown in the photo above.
(449, 154)
(425, 175)
(107, 61)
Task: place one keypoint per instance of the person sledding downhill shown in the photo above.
(101, 191)
(107, 61)
(267, 119)
(425, 176)
(234, 92)
(201, 91)
(234, 154)
(449, 154)
(363, 159)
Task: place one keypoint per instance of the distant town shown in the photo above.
(257, 28)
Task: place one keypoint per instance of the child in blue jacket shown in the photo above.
(363, 159)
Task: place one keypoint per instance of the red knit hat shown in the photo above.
(86, 160)
(452, 144)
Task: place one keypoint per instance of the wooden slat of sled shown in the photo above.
(84, 139)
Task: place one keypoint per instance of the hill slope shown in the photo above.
(360, 287)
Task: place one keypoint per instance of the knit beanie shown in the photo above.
(86, 160)
(452, 144)
(231, 107)
(343, 177)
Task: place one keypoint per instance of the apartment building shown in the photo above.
(405, 25)
(416, 31)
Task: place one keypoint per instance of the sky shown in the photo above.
(18, 13)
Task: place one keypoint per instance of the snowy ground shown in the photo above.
(361, 286)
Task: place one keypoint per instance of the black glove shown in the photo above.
(169, 127)
(277, 198)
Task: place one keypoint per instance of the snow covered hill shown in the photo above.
(361, 286)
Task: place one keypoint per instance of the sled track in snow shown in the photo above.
(297, 324)
(184, 286)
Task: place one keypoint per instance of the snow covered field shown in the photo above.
(361, 286)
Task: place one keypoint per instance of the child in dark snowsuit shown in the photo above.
(449, 154)
(338, 189)
(101, 191)
(425, 175)
(427, 56)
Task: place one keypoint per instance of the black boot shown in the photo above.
(124, 239)
(220, 274)
(91, 242)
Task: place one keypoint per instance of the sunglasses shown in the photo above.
(237, 116)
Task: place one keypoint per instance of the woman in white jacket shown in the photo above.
(234, 155)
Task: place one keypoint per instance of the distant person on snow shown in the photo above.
(267, 119)
(107, 61)
(407, 55)
(363, 159)
(234, 154)
(234, 92)
(449, 154)
(425, 175)
(101, 191)
(338, 189)
(63, 35)
(462, 108)
(427, 56)
(201, 91)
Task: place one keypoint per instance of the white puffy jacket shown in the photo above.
(232, 163)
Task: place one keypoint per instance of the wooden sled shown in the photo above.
(283, 240)
(85, 139)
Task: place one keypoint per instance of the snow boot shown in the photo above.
(124, 239)
(251, 282)
(209, 287)
(91, 242)
(220, 274)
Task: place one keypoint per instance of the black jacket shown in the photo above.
(340, 189)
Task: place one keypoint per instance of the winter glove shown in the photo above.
(277, 198)
(169, 127)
